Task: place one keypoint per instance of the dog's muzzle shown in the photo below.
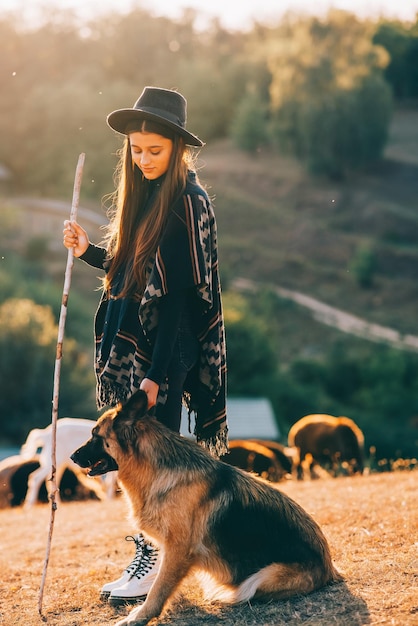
(102, 465)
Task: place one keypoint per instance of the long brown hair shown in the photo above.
(132, 235)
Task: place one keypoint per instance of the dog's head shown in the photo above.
(112, 436)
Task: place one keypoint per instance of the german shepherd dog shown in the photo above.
(248, 538)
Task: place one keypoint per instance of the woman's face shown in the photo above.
(151, 153)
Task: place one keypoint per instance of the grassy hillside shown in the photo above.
(279, 226)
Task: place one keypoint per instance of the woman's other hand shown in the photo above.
(151, 389)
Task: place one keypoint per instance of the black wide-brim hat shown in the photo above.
(164, 106)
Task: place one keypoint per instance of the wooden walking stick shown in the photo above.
(57, 372)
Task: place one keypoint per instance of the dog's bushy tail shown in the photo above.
(277, 581)
(289, 579)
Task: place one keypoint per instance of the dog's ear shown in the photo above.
(133, 409)
(137, 405)
(127, 416)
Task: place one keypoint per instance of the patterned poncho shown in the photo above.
(186, 258)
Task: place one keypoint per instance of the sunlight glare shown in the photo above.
(227, 13)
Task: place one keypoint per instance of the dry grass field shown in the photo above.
(371, 523)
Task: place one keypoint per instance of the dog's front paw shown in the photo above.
(134, 619)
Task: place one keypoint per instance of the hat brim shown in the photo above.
(120, 119)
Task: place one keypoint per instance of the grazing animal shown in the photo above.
(206, 516)
(328, 441)
(254, 457)
(284, 455)
(71, 432)
(14, 479)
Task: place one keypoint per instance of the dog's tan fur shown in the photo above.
(179, 500)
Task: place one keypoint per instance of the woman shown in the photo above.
(159, 325)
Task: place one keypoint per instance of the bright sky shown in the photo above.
(234, 15)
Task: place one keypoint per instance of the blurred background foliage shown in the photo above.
(307, 122)
(309, 86)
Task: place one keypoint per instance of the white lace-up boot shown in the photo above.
(129, 571)
(141, 580)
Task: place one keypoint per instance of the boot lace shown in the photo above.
(136, 561)
(148, 560)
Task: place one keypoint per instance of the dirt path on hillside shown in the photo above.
(337, 318)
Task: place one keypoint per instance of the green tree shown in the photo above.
(363, 265)
(252, 361)
(401, 42)
(28, 337)
(249, 126)
(326, 81)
